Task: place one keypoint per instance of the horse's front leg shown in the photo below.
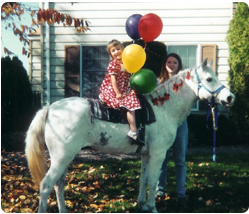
(155, 164)
(143, 184)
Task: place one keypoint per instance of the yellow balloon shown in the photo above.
(133, 58)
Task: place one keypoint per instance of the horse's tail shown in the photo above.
(35, 146)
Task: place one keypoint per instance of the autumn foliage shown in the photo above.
(52, 16)
(12, 13)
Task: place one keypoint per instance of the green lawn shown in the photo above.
(113, 186)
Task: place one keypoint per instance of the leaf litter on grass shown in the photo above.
(113, 186)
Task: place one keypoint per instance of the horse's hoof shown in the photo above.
(143, 207)
(153, 210)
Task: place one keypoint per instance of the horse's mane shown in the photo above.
(176, 78)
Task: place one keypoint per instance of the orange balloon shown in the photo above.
(133, 58)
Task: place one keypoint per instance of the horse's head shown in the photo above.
(208, 87)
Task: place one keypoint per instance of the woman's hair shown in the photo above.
(164, 72)
(114, 43)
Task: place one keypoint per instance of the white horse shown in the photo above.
(65, 127)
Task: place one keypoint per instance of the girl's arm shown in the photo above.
(115, 87)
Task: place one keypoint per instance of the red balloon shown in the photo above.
(150, 26)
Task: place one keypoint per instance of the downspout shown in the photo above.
(81, 83)
(47, 49)
(42, 54)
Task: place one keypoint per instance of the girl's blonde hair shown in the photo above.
(114, 43)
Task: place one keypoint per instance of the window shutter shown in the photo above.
(72, 70)
(209, 51)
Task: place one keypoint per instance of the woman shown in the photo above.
(171, 66)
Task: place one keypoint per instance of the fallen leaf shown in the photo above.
(94, 206)
(209, 202)
(190, 164)
(80, 165)
(229, 193)
(22, 197)
(130, 189)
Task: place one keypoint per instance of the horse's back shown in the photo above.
(67, 119)
(77, 103)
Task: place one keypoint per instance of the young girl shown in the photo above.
(114, 90)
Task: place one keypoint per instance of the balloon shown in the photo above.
(144, 81)
(133, 58)
(131, 26)
(150, 26)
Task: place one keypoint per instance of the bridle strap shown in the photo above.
(213, 108)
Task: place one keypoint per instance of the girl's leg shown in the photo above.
(132, 120)
(133, 132)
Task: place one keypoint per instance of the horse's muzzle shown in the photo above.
(229, 102)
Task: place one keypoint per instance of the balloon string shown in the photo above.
(145, 44)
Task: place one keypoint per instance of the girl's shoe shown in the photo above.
(132, 134)
(135, 138)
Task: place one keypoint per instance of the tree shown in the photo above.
(13, 12)
(237, 38)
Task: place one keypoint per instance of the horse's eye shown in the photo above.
(209, 79)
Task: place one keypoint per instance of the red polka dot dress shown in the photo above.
(107, 93)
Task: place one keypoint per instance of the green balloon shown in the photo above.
(143, 81)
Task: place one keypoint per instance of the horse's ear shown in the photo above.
(204, 63)
(210, 64)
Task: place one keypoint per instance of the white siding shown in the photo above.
(35, 65)
(184, 22)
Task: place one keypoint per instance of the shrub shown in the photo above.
(200, 135)
(237, 38)
(16, 102)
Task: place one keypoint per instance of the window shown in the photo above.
(187, 54)
(86, 66)
(95, 59)
(93, 67)
(189, 58)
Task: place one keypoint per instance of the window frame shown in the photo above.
(81, 62)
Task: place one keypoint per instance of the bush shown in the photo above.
(16, 105)
(200, 135)
(237, 38)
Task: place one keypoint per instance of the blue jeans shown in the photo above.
(179, 153)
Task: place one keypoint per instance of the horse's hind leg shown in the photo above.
(59, 190)
(143, 184)
(54, 174)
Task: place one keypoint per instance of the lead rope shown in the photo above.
(215, 115)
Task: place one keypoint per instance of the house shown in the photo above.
(65, 63)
